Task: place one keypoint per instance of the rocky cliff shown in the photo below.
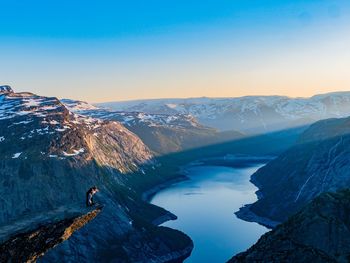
(30, 245)
(317, 163)
(50, 156)
(320, 232)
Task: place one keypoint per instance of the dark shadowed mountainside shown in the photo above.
(317, 163)
(320, 232)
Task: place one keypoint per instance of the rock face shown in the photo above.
(50, 156)
(162, 133)
(252, 114)
(29, 246)
(317, 163)
(318, 233)
(160, 245)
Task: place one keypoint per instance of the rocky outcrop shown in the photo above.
(317, 163)
(29, 246)
(320, 232)
(50, 156)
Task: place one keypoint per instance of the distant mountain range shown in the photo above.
(252, 114)
(162, 133)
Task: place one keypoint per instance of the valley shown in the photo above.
(53, 150)
(175, 131)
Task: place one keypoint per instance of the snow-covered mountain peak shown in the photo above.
(248, 113)
(162, 133)
(37, 127)
(5, 89)
(131, 118)
(76, 106)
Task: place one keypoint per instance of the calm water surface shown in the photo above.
(205, 207)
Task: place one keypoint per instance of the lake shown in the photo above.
(205, 206)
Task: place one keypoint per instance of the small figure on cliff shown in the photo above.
(89, 196)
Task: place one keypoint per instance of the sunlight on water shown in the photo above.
(205, 207)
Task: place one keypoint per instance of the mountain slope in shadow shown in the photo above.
(320, 232)
(317, 163)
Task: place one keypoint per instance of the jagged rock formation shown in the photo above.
(29, 246)
(50, 156)
(317, 163)
(162, 133)
(252, 114)
(320, 232)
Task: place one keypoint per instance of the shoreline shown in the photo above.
(148, 194)
(245, 214)
(176, 256)
(183, 174)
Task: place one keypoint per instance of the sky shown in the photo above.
(121, 50)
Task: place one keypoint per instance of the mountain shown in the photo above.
(317, 163)
(50, 157)
(37, 128)
(320, 232)
(252, 114)
(162, 133)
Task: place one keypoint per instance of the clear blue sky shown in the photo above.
(114, 50)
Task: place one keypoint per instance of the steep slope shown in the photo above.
(317, 163)
(162, 133)
(42, 142)
(320, 232)
(51, 156)
(255, 114)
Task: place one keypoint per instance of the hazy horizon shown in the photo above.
(15, 89)
(232, 97)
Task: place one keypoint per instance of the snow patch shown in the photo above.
(16, 155)
(22, 122)
(75, 152)
(54, 122)
(60, 129)
(32, 103)
(171, 105)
